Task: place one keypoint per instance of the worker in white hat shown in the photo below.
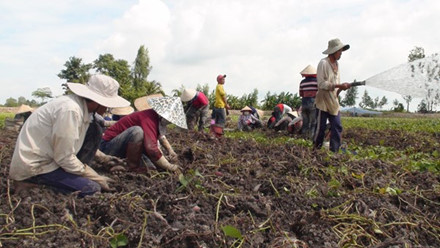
(141, 132)
(308, 88)
(247, 121)
(49, 143)
(196, 108)
(327, 102)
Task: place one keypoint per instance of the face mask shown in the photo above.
(246, 113)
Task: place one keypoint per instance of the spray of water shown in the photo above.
(419, 78)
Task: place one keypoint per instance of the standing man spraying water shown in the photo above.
(327, 102)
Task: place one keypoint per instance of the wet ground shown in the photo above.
(238, 193)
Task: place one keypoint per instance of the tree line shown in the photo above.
(134, 83)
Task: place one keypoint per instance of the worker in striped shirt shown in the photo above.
(307, 90)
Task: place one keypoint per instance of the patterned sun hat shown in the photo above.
(170, 108)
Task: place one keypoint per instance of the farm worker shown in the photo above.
(247, 121)
(327, 102)
(59, 139)
(283, 123)
(307, 90)
(23, 112)
(196, 108)
(256, 112)
(221, 103)
(142, 131)
(278, 112)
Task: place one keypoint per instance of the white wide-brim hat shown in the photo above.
(334, 45)
(101, 89)
(309, 70)
(188, 94)
(141, 103)
(24, 108)
(122, 110)
(170, 108)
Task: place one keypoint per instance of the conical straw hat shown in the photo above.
(122, 111)
(24, 108)
(246, 109)
(309, 70)
(141, 103)
(170, 108)
(188, 94)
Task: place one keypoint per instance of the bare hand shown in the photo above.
(345, 86)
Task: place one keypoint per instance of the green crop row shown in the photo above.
(3, 116)
(430, 125)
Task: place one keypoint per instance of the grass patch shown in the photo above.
(3, 116)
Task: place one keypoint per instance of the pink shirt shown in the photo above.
(200, 101)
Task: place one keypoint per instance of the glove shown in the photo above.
(109, 160)
(94, 176)
(173, 156)
(164, 164)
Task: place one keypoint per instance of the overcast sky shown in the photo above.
(261, 44)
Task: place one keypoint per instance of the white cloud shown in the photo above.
(258, 44)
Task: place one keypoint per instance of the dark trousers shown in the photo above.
(308, 112)
(219, 114)
(335, 130)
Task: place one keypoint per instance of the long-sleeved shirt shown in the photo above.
(246, 120)
(50, 138)
(308, 87)
(148, 120)
(326, 97)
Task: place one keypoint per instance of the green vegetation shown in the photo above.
(3, 116)
(409, 158)
(429, 125)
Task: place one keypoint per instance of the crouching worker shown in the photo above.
(247, 121)
(196, 108)
(284, 122)
(60, 139)
(278, 113)
(140, 132)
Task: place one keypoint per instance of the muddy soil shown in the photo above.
(236, 193)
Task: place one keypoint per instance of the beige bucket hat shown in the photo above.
(141, 103)
(122, 111)
(188, 94)
(334, 45)
(101, 89)
(309, 70)
(170, 108)
(24, 108)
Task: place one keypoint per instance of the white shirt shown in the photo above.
(50, 138)
(326, 98)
